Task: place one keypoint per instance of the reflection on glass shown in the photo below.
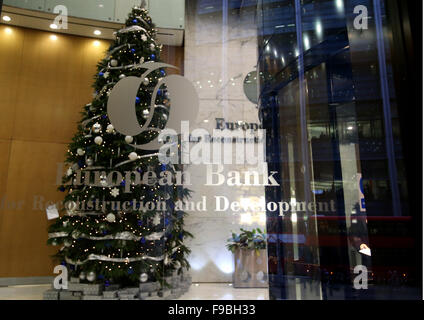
(330, 111)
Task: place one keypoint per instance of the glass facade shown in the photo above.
(330, 105)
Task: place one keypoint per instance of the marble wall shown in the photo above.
(220, 50)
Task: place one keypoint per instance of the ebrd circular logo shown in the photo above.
(121, 103)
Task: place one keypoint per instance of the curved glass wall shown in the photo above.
(330, 107)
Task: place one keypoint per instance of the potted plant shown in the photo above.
(250, 258)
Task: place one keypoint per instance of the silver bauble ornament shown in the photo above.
(103, 181)
(91, 276)
(89, 162)
(133, 156)
(114, 63)
(69, 172)
(70, 207)
(65, 223)
(144, 277)
(146, 81)
(110, 128)
(98, 140)
(129, 139)
(122, 76)
(111, 217)
(244, 276)
(82, 275)
(102, 226)
(97, 127)
(80, 152)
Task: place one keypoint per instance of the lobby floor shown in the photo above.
(201, 291)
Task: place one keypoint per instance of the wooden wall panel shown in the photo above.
(11, 43)
(30, 185)
(174, 56)
(54, 85)
(44, 85)
(4, 163)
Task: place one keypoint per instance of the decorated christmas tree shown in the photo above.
(114, 228)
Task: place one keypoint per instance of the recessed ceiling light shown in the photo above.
(97, 32)
(7, 18)
(53, 26)
(96, 43)
(53, 37)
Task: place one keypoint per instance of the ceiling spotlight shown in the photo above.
(53, 26)
(97, 32)
(7, 18)
(53, 37)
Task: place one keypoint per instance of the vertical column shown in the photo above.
(390, 149)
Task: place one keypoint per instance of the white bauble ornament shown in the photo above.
(110, 218)
(103, 181)
(65, 223)
(97, 127)
(143, 37)
(69, 172)
(114, 63)
(133, 156)
(152, 47)
(244, 276)
(82, 275)
(144, 277)
(122, 76)
(54, 243)
(106, 75)
(70, 207)
(89, 162)
(67, 243)
(146, 81)
(91, 276)
(98, 140)
(142, 60)
(80, 152)
(260, 276)
(129, 139)
(110, 128)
